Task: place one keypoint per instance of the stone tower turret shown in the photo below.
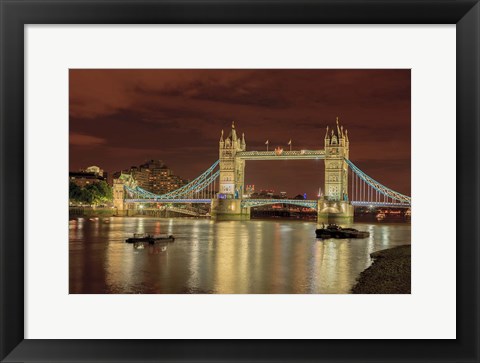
(336, 169)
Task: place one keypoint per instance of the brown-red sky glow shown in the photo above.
(120, 118)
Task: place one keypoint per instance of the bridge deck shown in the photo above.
(260, 202)
(158, 200)
(361, 203)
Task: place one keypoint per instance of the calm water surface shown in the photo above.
(238, 257)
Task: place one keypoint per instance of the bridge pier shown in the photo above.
(126, 210)
(334, 211)
(229, 210)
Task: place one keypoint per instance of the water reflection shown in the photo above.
(235, 257)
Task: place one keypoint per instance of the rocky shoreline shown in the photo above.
(390, 273)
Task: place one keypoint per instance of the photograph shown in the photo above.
(239, 181)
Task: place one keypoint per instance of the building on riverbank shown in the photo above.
(155, 176)
(89, 175)
(82, 178)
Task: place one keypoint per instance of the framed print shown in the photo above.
(246, 181)
(204, 226)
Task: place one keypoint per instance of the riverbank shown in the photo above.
(390, 273)
(89, 212)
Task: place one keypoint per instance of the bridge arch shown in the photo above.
(261, 202)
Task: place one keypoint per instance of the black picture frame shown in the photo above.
(15, 14)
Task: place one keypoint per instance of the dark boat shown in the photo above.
(335, 231)
(141, 237)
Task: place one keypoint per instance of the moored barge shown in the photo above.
(335, 231)
(142, 237)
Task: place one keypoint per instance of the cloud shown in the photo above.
(236, 92)
(78, 139)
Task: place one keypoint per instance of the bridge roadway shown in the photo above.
(259, 202)
(159, 200)
(284, 155)
(245, 202)
(358, 203)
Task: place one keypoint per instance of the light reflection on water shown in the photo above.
(235, 257)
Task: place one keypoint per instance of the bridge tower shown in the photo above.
(334, 205)
(122, 208)
(227, 205)
(232, 170)
(118, 196)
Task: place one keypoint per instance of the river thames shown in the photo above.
(237, 257)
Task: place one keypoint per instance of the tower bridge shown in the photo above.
(222, 185)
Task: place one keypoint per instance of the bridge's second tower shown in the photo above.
(336, 168)
(227, 205)
(334, 205)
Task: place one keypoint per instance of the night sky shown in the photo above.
(120, 118)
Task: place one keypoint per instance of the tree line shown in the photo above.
(91, 194)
